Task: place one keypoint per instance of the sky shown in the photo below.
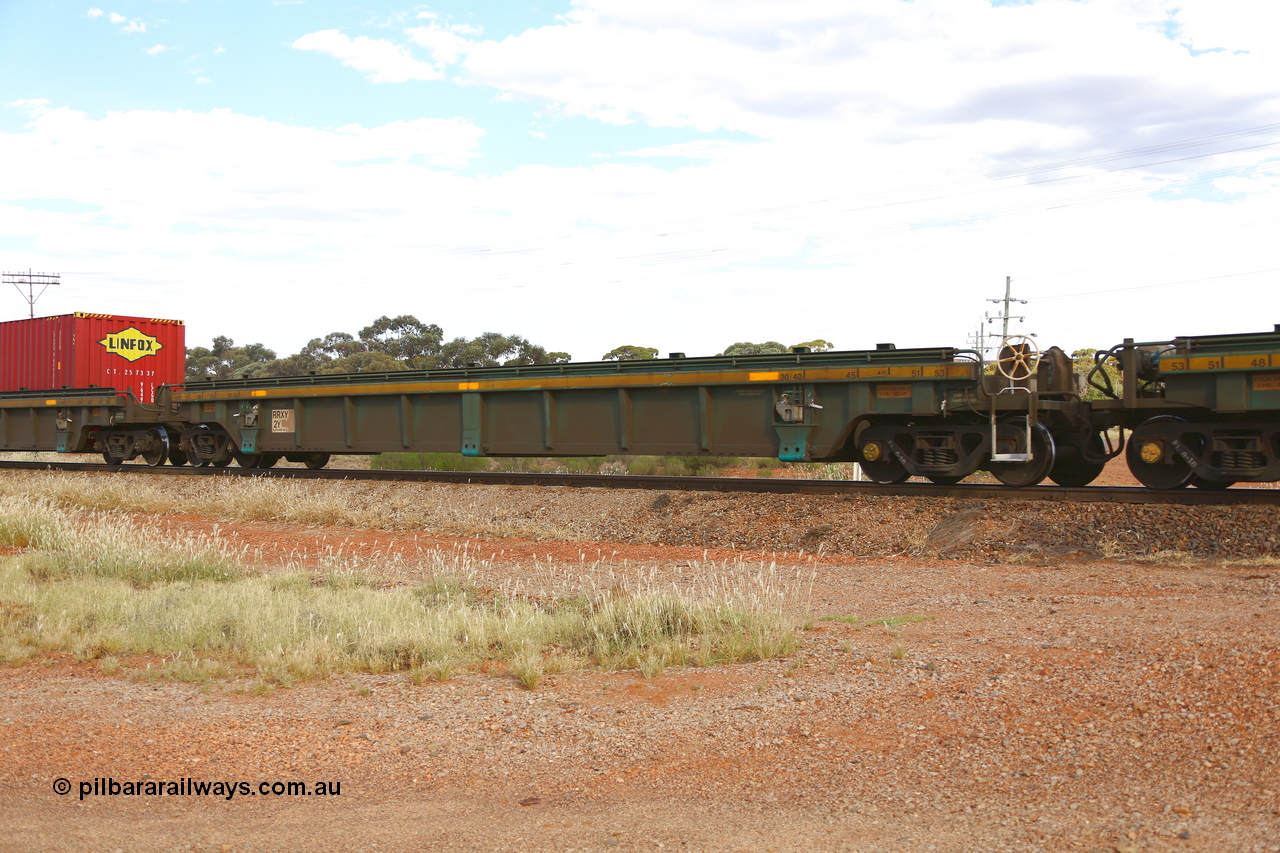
(679, 174)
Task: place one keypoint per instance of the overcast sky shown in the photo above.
(680, 174)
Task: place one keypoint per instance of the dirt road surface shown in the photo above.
(1058, 704)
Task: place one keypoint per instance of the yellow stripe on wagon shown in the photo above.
(1248, 361)
(70, 402)
(553, 383)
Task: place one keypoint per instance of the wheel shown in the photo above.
(223, 457)
(1071, 469)
(247, 460)
(943, 480)
(269, 460)
(879, 463)
(886, 472)
(111, 460)
(157, 452)
(1150, 462)
(177, 457)
(316, 461)
(1211, 485)
(1029, 473)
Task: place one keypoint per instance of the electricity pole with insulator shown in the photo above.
(45, 280)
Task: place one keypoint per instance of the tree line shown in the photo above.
(387, 344)
(406, 343)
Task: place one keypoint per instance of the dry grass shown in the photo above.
(1113, 550)
(98, 588)
(64, 545)
(889, 623)
(375, 506)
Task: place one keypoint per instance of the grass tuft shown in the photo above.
(92, 585)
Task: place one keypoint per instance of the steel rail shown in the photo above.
(787, 486)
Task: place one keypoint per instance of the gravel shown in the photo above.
(1052, 699)
(866, 526)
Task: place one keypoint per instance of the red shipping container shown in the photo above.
(80, 350)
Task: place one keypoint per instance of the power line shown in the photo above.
(44, 280)
(1139, 152)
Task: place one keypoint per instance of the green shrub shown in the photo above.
(582, 464)
(644, 466)
(428, 462)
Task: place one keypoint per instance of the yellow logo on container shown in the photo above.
(131, 344)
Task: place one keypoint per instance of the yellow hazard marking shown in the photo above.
(51, 402)
(257, 393)
(468, 386)
(763, 377)
(113, 317)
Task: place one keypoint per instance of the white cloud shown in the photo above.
(446, 45)
(1229, 25)
(885, 67)
(201, 80)
(842, 183)
(222, 168)
(702, 149)
(157, 49)
(380, 60)
(134, 26)
(219, 49)
(32, 106)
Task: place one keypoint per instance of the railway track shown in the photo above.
(1090, 494)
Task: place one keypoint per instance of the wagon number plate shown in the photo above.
(893, 391)
(282, 420)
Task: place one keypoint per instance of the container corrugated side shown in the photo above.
(83, 350)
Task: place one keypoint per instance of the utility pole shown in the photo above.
(977, 341)
(1004, 316)
(31, 279)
